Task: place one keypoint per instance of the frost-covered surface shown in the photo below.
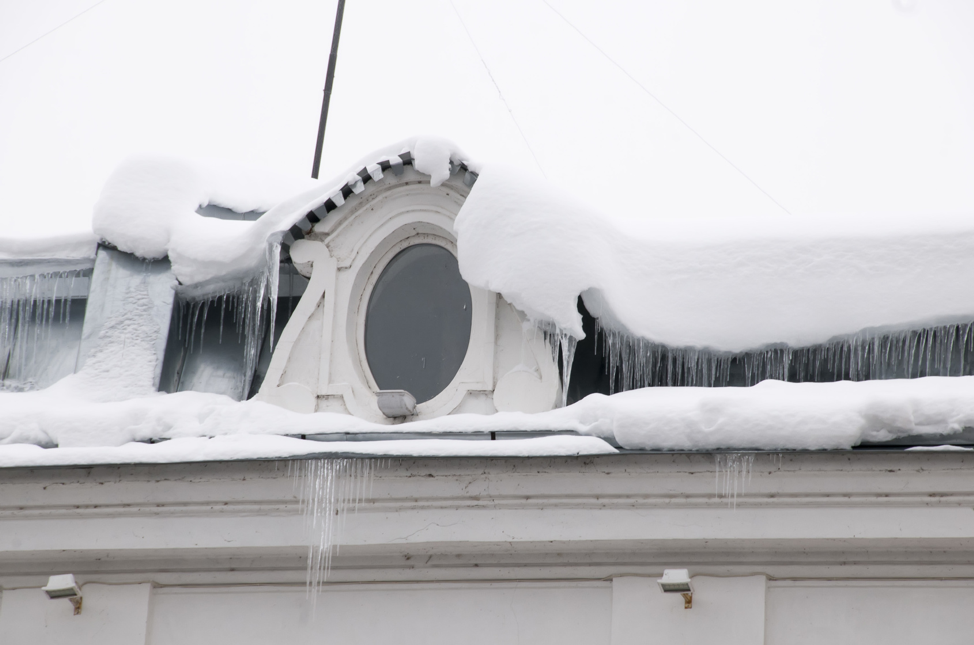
(719, 284)
(772, 415)
(148, 207)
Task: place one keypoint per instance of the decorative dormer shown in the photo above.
(386, 309)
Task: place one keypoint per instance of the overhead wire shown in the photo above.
(51, 31)
(665, 106)
(501, 94)
(497, 87)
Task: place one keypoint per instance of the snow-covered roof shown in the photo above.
(745, 285)
(728, 285)
(149, 206)
(80, 417)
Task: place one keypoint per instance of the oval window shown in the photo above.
(417, 324)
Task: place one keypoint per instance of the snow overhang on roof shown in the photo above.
(687, 287)
(149, 206)
(356, 184)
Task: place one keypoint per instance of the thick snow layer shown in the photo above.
(721, 284)
(270, 447)
(772, 415)
(778, 415)
(148, 207)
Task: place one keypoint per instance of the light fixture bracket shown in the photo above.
(64, 586)
(677, 581)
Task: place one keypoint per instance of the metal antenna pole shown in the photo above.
(329, 80)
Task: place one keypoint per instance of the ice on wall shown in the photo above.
(724, 286)
(39, 340)
(126, 321)
(122, 361)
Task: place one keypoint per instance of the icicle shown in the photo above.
(273, 280)
(567, 344)
(252, 304)
(327, 489)
(194, 314)
(562, 346)
(737, 467)
(31, 306)
(945, 350)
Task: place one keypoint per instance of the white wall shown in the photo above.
(424, 614)
(883, 612)
(110, 615)
(855, 547)
(729, 611)
(627, 610)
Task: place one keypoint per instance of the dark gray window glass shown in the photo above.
(417, 325)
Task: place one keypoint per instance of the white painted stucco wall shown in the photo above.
(821, 547)
(429, 613)
(111, 614)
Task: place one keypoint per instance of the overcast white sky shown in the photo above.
(644, 109)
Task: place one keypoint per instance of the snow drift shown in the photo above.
(724, 285)
(148, 208)
(772, 415)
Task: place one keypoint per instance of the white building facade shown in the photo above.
(865, 545)
(837, 547)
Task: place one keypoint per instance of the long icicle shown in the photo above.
(327, 489)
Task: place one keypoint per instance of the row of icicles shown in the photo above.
(30, 307)
(633, 363)
(329, 490)
(251, 305)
